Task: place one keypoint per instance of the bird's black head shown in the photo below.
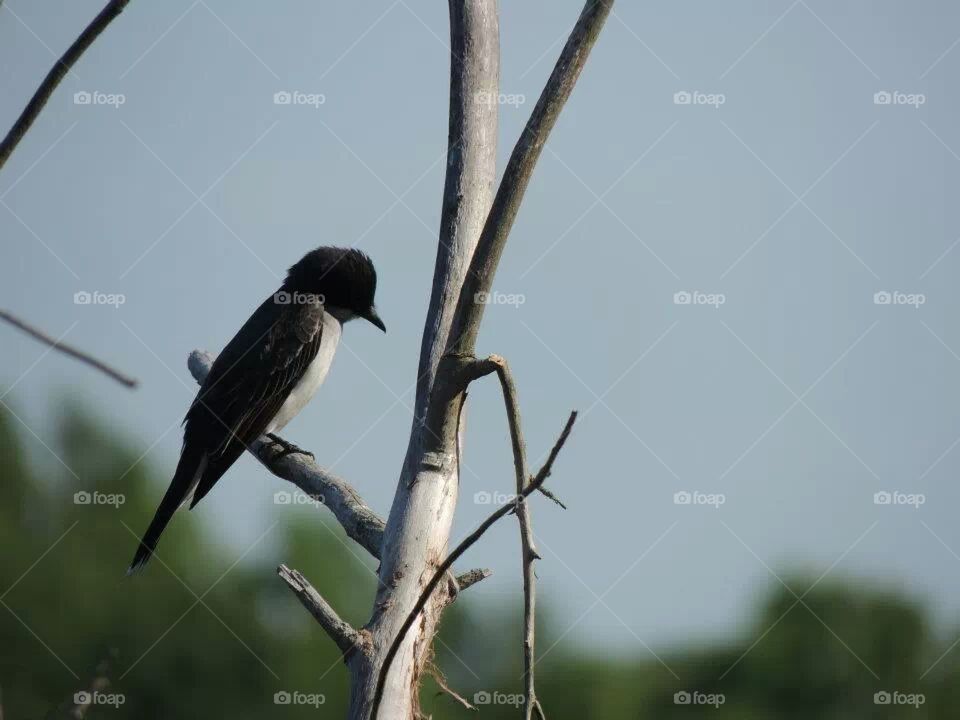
(345, 277)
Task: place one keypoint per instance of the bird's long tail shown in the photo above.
(193, 462)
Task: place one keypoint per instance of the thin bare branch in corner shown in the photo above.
(465, 545)
(56, 74)
(68, 350)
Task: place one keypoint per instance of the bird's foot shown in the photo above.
(288, 448)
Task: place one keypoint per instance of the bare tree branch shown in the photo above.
(68, 350)
(361, 523)
(520, 168)
(528, 548)
(470, 577)
(465, 545)
(421, 516)
(56, 74)
(346, 638)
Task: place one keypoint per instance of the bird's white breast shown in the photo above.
(304, 390)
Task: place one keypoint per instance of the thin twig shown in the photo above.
(444, 686)
(465, 545)
(341, 632)
(56, 74)
(68, 350)
(528, 548)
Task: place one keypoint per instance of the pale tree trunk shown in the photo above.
(418, 527)
(473, 235)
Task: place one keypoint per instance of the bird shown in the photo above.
(266, 374)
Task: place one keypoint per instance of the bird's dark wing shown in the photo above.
(250, 380)
(246, 386)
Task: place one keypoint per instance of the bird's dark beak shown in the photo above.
(374, 319)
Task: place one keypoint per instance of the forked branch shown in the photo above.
(516, 177)
(465, 545)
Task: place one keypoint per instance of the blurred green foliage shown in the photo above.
(198, 636)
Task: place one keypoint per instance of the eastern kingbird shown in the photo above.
(267, 373)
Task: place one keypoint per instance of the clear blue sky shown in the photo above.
(796, 199)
